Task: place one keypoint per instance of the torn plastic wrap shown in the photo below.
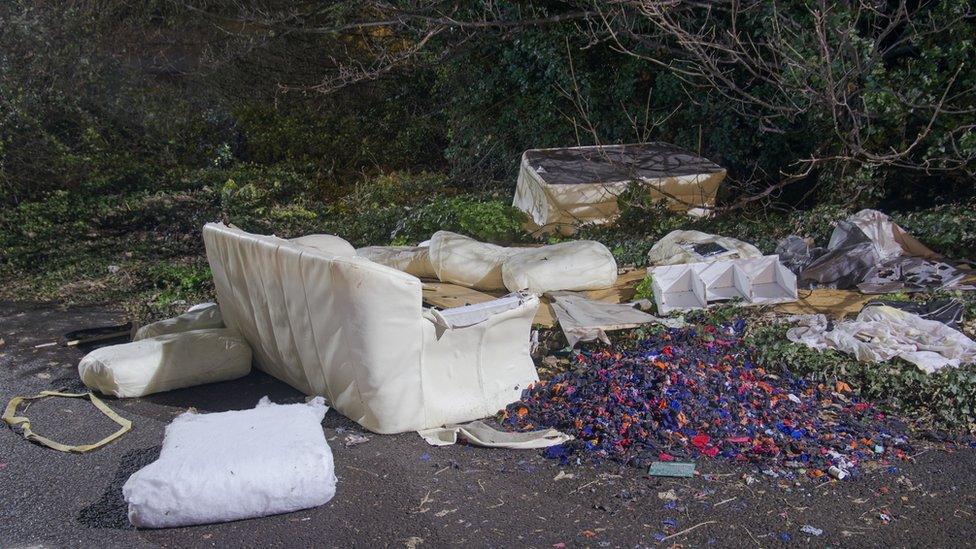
(912, 274)
(946, 311)
(849, 256)
(881, 333)
(869, 252)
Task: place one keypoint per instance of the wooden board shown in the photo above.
(833, 303)
(444, 295)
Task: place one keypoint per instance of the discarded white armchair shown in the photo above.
(331, 323)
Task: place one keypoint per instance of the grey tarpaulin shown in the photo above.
(583, 319)
(871, 253)
(480, 434)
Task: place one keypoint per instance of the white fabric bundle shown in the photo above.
(235, 465)
(166, 362)
(205, 316)
(579, 265)
(882, 333)
(413, 260)
(464, 261)
(573, 266)
(678, 247)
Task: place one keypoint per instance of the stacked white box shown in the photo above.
(756, 281)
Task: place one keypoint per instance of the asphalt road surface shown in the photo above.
(398, 491)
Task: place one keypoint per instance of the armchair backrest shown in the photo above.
(338, 326)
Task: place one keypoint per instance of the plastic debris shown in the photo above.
(669, 495)
(666, 469)
(353, 439)
(812, 530)
(697, 392)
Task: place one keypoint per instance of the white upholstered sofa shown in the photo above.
(330, 323)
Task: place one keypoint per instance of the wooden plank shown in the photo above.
(622, 290)
(833, 303)
(445, 295)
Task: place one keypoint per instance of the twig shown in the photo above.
(686, 530)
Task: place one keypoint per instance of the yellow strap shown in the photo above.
(20, 421)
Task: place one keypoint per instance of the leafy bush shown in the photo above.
(945, 399)
(487, 219)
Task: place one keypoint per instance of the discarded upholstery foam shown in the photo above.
(755, 280)
(881, 333)
(166, 362)
(328, 243)
(204, 316)
(574, 266)
(355, 332)
(413, 260)
(562, 189)
(478, 433)
(583, 319)
(679, 247)
(475, 313)
(235, 465)
(464, 261)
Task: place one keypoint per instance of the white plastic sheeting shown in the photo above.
(235, 465)
(166, 362)
(413, 260)
(575, 266)
(479, 433)
(562, 189)
(679, 247)
(881, 333)
(205, 316)
(355, 332)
